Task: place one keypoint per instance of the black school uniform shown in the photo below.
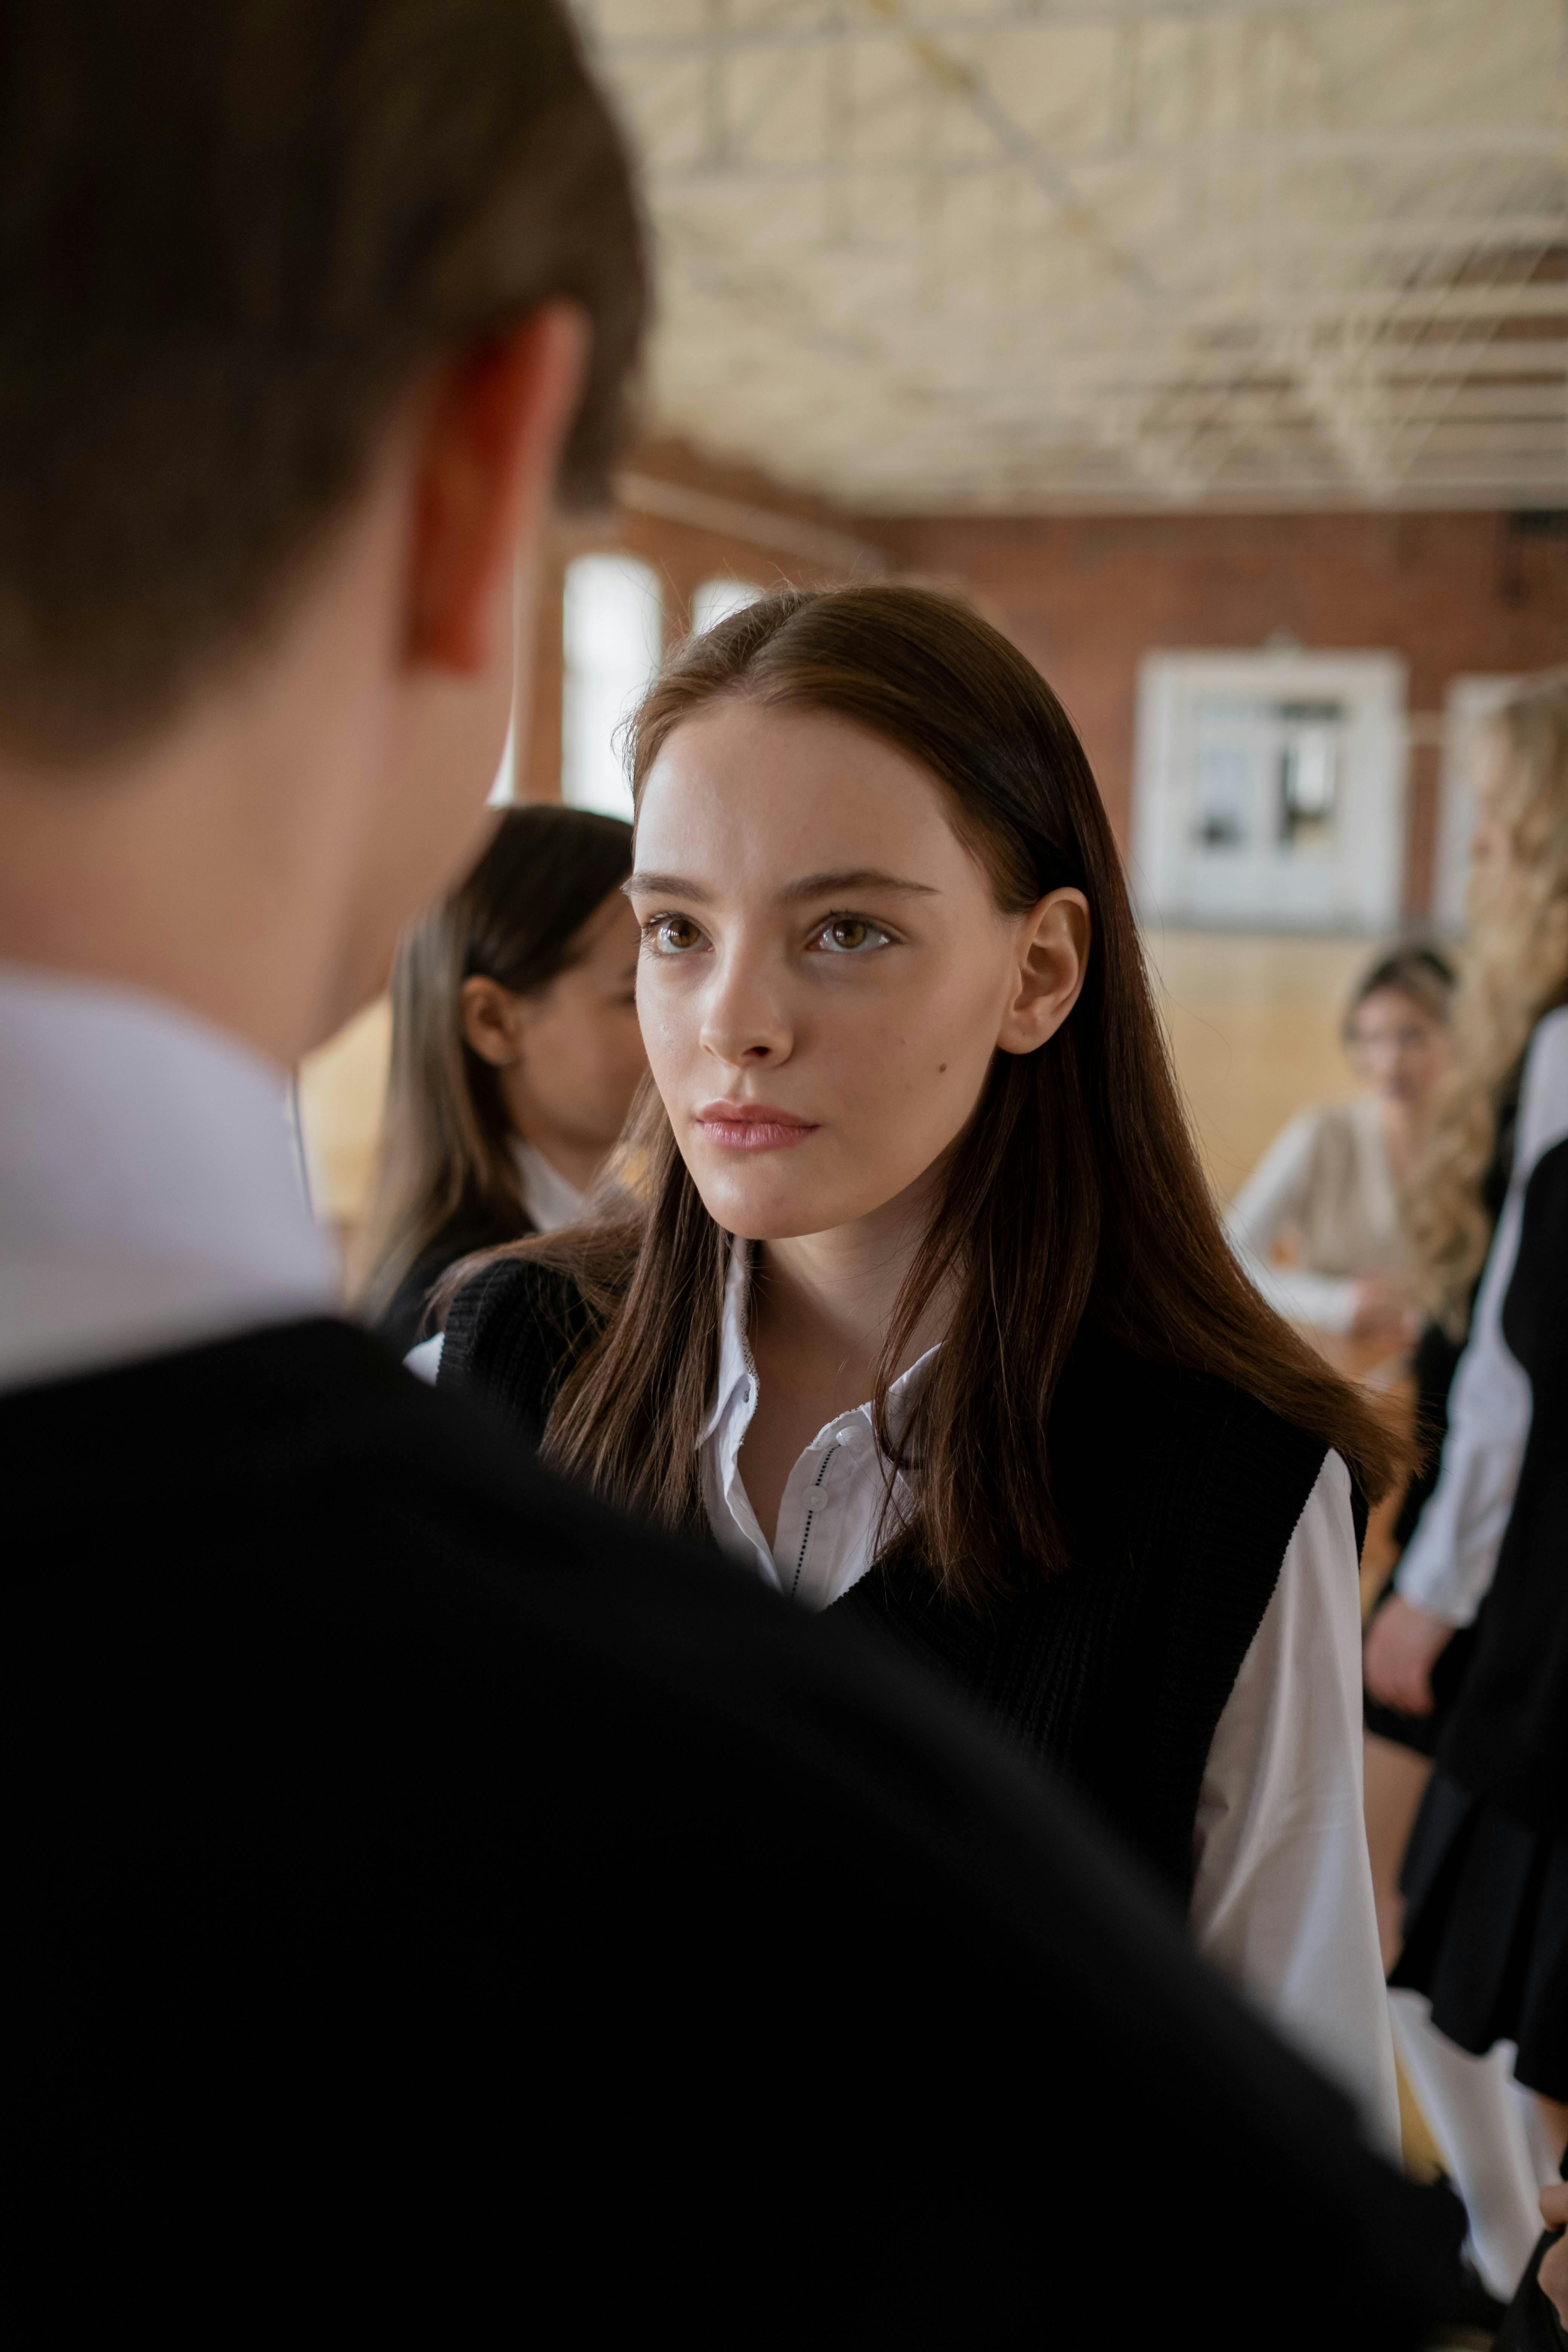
(1486, 1875)
(402, 1831)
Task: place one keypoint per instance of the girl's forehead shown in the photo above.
(1385, 1006)
(763, 789)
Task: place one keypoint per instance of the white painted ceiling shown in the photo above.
(1028, 255)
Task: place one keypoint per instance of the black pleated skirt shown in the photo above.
(1486, 1931)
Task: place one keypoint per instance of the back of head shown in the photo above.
(232, 233)
(447, 1143)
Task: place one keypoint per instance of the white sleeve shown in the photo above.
(1265, 1208)
(1282, 1891)
(1448, 1562)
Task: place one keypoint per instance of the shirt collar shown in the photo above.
(549, 1198)
(735, 1365)
(737, 1369)
(151, 1189)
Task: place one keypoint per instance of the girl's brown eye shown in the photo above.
(676, 934)
(849, 934)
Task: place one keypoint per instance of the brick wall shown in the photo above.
(1086, 596)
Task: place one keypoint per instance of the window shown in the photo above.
(612, 632)
(1270, 789)
(503, 791)
(717, 598)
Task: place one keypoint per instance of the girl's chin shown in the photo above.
(774, 1212)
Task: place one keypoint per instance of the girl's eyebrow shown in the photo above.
(859, 877)
(809, 885)
(667, 885)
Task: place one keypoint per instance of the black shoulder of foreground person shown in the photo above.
(400, 1819)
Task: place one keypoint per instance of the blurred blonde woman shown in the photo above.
(515, 1054)
(1486, 1873)
(1330, 1182)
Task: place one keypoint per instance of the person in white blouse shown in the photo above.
(1480, 2000)
(1328, 1186)
(917, 1299)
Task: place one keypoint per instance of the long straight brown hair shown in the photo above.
(1074, 1196)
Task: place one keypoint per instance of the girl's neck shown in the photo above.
(828, 1300)
(579, 1163)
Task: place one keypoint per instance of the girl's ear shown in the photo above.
(1053, 957)
(492, 1022)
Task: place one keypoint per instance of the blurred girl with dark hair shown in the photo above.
(1330, 1181)
(918, 1302)
(515, 1056)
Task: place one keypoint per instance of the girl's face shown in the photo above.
(825, 973)
(1397, 1047)
(571, 1054)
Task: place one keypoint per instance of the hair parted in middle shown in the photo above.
(1074, 1195)
(1422, 974)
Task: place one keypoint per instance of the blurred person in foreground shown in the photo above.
(1482, 1947)
(1329, 1184)
(515, 1056)
(1537, 2319)
(432, 1895)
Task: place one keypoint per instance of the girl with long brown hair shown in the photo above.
(914, 1296)
(515, 1056)
(1486, 1568)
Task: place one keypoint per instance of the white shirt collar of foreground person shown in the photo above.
(1282, 1895)
(151, 1190)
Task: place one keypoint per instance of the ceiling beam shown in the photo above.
(951, 24)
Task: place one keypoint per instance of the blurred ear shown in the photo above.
(492, 1022)
(1053, 957)
(497, 421)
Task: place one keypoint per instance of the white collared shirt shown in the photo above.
(1450, 1559)
(151, 1192)
(549, 1200)
(1282, 1895)
(1325, 1179)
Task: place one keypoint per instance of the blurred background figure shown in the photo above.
(1327, 1190)
(515, 1056)
(1467, 1655)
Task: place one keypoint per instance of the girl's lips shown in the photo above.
(751, 1127)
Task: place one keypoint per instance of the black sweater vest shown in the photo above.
(1180, 1496)
(1507, 1739)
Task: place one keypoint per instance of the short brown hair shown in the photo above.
(231, 233)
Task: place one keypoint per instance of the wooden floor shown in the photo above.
(1253, 1024)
